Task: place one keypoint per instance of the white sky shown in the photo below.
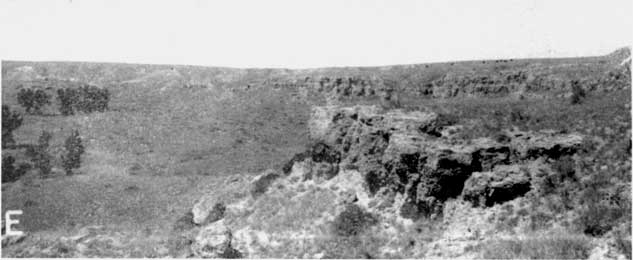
(301, 34)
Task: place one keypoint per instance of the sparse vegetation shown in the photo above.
(600, 209)
(10, 121)
(560, 246)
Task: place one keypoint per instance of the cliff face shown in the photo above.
(539, 80)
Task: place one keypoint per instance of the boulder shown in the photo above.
(502, 184)
(207, 212)
(260, 184)
(214, 241)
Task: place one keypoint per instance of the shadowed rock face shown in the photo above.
(503, 184)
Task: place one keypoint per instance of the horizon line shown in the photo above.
(629, 47)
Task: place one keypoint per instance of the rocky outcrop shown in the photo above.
(410, 153)
(202, 213)
(261, 183)
(379, 170)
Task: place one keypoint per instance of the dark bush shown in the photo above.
(598, 213)
(296, 158)
(33, 100)
(598, 219)
(9, 172)
(74, 149)
(321, 152)
(39, 154)
(67, 98)
(377, 179)
(10, 122)
(562, 179)
(85, 99)
(577, 93)
(317, 152)
(564, 166)
(353, 221)
(518, 115)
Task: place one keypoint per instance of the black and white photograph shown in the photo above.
(333, 129)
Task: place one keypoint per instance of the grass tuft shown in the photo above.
(558, 246)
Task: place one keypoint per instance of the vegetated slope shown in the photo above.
(174, 134)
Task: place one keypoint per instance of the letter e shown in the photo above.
(10, 222)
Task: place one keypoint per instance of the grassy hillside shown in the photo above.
(173, 133)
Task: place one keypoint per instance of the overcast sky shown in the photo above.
(303, 34)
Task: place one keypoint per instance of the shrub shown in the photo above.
(577, 93)
(33, 100)
(184, 223)
(376, 180)
(352, 221)
(296, 158)
(10, 122)
(92, 98)
(518, 115)
(39, 154)
(599, 211)
(67, 97)
(9, 172)
(321, 152)
(562, 179)
(74, 149)
(596, 219)
(317, 152)
(390, 94)
(565, 246)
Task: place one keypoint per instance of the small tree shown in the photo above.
(390, 94)
(33, 100)
(9, 172)
(74, 149)
(352, 221)
(67, 98)
(10, 122)
(39, 154)
(577, 93)
(86, 99)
